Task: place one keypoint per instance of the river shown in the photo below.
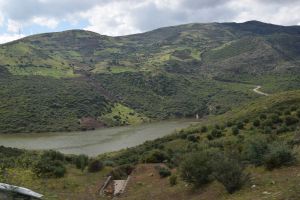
(93, 142)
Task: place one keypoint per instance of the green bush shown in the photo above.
(280, 154)
(229, 123)
(256, 123)
(47, 168)
(95, 166)
(263, 116)
(53, 155)
(275, 119)
(267, 130)
(122, 171)
(229, 172)
(216, 133)
(196, 169)
(192, 138)
(203, 129)
(156, 156)
(240, 125)
(255, 149)
(235, 131)
(164, 172)
(290, 120)
(298, 113)
(173, 180)
(81, 162)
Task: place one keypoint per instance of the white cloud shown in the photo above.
(9, 37)
(13, 26)
(43, 21)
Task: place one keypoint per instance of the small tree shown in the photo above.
(255, 149)
(196, 169)
(164, 172)
(280, 154)
(229, 172)
(203, 129)
(256, 123)
(95, 165)
(235, 131)
(173, 180)
(81, 162)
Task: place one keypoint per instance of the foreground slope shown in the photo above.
(146, 183)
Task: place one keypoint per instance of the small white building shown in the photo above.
(12, 192)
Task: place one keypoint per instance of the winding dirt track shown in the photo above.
(256, 90)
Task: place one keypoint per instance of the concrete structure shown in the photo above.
(9, 192)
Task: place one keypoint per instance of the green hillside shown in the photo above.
(170, 72)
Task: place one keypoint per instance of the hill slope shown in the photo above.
(170, 72)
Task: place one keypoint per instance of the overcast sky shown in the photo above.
(19, 18)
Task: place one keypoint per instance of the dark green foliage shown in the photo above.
(293, 108)
(263, 116)
(50, 164)
(215, 133)
(290, 120)
(203, 129)
(255, 149)
(122, 171)
(229, 123)
(229, 172)
(81, 162)
(280, 154)
(267, 130)
(240, 125)
(156, 156)
(287, 112)
(47, 168)
(256, 123)
(193, 138)
(95, 165)
(173, 180)
(298, 113)
(275, 119)
(164, 172)
(196, 169)
(235, 131)
(43, 104)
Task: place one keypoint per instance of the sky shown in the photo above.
(19, 18)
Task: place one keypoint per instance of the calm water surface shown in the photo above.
(93, 142)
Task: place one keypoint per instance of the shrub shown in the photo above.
(81, 162)
(53, 155)
(256, 123)
(229, 172)
(282, 129)
(235, 131)
(192, 138)
(121, 171)
(173, 180)
(156, 156)
(203, 129)
(255, 149)
(216, 133)
(196, 169)
(263, 116)
(229, 123)
(293, 108)
(95, 166)
(290, 120)
(287, 112)
(279, 154)
(240, 125)
(267, 130)
(47, 168)
(246, 121)
(275, 119)
(164, 172)
(298, 113)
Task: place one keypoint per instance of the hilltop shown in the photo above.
(77, 79)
